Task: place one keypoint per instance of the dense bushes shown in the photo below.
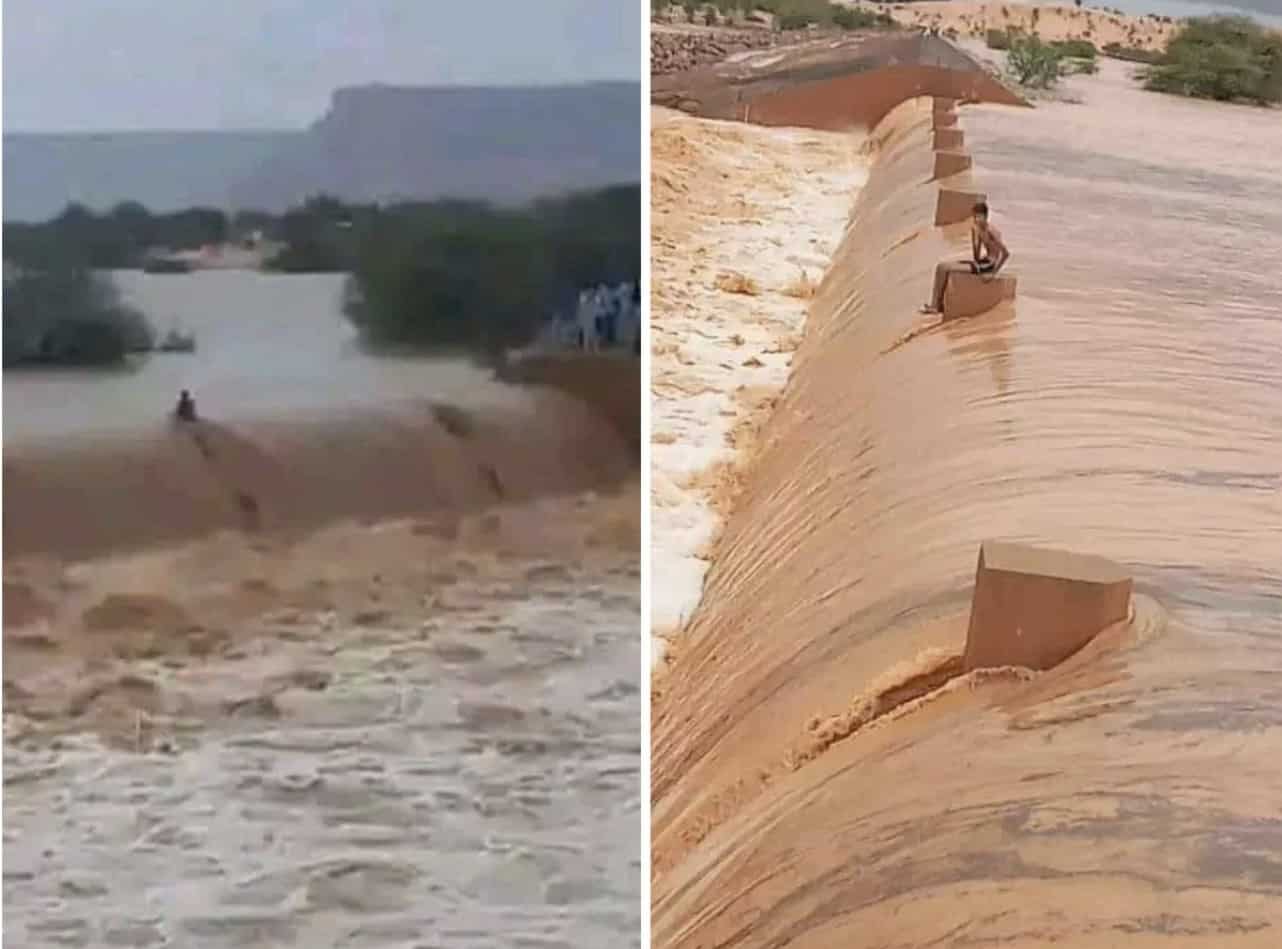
(468, 277)
(62, 314)
(849, 18)
(1228, 58)
(1075, 49)
(1131, 54)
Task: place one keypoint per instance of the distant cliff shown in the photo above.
(374, 143)
(380, 143)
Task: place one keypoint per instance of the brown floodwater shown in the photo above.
(1128, 405)
(395, 734)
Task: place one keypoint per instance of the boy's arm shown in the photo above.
(1003, 253)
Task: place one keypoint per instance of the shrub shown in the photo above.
(848, 18)
(1032, 63)
(1131, 54)
(1075, 49)
(1226, 58)
(795, 21)
(800, 14)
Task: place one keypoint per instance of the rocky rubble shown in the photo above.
(673, 51)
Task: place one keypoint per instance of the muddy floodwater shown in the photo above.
(410, 733)
(1128, 405)
(266, 345)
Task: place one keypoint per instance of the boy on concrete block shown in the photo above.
(988, 255)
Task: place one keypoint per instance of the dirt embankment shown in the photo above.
(609, 384)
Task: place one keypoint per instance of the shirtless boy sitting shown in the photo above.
(988, 256)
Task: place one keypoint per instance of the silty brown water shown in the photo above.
(1129, 406)
(321, 731)
(418, 733)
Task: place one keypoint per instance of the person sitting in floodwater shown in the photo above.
(186, 409)
(988, 255)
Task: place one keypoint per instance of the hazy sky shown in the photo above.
(235, 64)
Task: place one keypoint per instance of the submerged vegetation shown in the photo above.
(1226, 58)
(63, 314)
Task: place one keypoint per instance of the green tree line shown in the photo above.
(469, 277)
(456, 275)
(121, 238)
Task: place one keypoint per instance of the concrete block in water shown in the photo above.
(1034, 606)
(954, 206)
(950, 163)
(946, 140)
(968, 294)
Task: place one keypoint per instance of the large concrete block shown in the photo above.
(950, 163)
(968, 294)
(944, 120)
(954, 206)
(942, 104)
(948, 140)
(1035, 607)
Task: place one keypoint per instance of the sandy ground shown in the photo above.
(373, 735)
(1051, 23)
(744, 221)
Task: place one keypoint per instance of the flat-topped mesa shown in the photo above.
(948, 140)
(954, 206)
(1035, 606)
(967, 294)
(950, 163)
